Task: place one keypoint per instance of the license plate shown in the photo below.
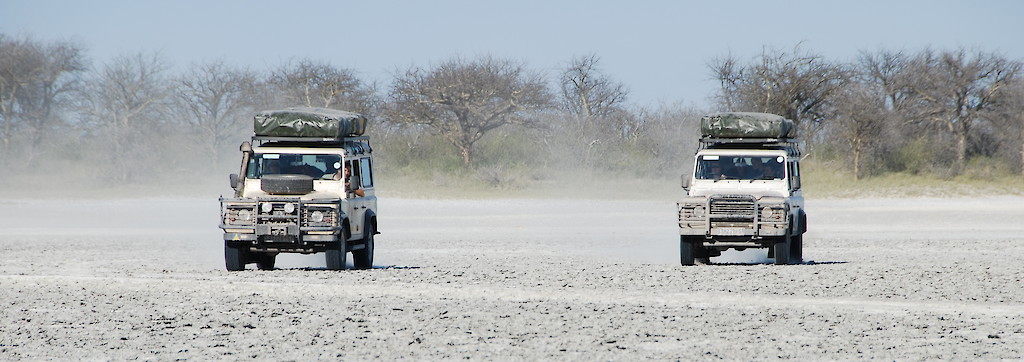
(732, 231)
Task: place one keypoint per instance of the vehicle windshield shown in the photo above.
(316, 166)
(715, 167)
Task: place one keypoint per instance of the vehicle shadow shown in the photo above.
(375, 267)
(806, 262)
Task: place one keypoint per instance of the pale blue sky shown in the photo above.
(658, 49)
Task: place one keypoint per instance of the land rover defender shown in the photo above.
(306, 185)
(744, 190)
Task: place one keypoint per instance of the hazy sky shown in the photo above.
(658, 49)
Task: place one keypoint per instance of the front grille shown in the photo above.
(329, 216)
(240, 214)
(282, 211)
(733, 207)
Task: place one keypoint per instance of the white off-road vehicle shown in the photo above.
(744, 190)
(305, 186)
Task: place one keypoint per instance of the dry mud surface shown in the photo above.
(515, 280)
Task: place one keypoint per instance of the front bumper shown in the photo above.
(282, 224)
(740, 219)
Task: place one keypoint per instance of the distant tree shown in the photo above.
(798, 86)
(594, 106)
(861, 119)
(464, 99)
(127, 104)
(871, 107)
(957, 89)
(587, 93)
(667, 138)
(1010, 120)
(888, 73)
(217, 102)
(318, 84)
(36, 80)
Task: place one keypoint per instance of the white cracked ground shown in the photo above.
(515, 279)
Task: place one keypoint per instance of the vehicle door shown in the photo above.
(357, 204)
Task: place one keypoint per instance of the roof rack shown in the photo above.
(790, 145)
(264, 139)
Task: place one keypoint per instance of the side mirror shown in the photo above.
(685, 182)
(233, 178)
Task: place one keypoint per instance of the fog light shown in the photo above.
(289, 208)
(267, 207)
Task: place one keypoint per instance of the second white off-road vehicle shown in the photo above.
(744, 190)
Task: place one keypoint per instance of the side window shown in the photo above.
(367, 173)
(793, 169)
(354, 179)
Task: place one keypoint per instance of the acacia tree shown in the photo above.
(318, 84)
(888, 73)
(875, 99)
(127, 103)
(36, 80)
(216, 100)
(860, 121)
(464, 99)
(588, 93)
(798, 86)
(593, 105)
(956, 90)
(1010, 120)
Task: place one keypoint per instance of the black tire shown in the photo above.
(796, 250)
(687, 251)
(781, 250)
(286, 184)
(337, 254)
(363, 258)
(265, 261)
(235, 257)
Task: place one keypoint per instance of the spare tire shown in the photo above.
(286, 184)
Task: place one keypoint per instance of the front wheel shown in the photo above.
(337, 254)
(235, 257)
(363, 258)
(265, 261)
(796, 250)
(687, 251)
(782, 250)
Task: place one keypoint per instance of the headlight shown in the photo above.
(267, 207)
(698, 211)
(289, 208)
(245, 215)
(317, 216)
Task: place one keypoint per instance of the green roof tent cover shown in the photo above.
(746, 125)
(309, 122)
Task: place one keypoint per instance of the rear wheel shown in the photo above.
(363, 258)
(337, 254)
(234, 257)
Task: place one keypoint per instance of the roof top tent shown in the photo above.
(308, 125)
(745, 130)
